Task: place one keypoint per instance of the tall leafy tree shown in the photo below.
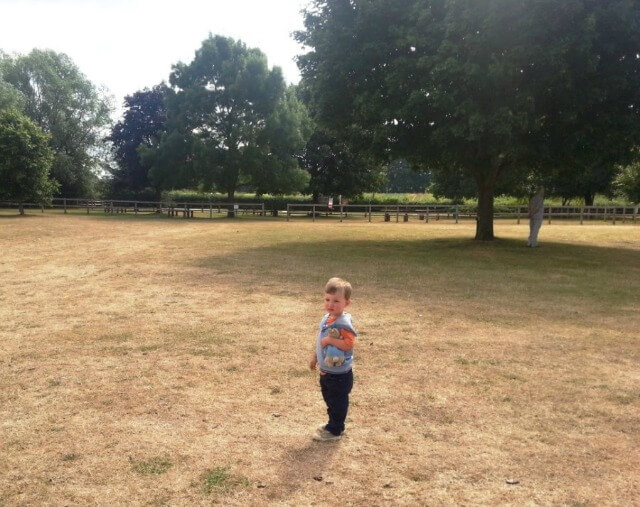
(25, 160)
(232, 123)
(335, 168)
(402, 178)
(627, 181)
(143, 123)
(483, 89)
(68, 107)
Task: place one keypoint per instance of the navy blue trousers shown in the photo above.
(335, 391)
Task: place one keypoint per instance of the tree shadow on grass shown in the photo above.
(458, 269)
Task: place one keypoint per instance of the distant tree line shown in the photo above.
(465, 99)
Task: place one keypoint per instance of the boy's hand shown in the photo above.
(325, 341)
(313, 363)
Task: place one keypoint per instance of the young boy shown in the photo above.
(336, 381)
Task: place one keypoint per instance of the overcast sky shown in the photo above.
(126, 45)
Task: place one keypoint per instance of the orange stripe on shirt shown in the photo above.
(348, 337)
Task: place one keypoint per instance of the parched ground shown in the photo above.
(156, 361)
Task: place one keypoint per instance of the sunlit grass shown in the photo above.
(143, 354)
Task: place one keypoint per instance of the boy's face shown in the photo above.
(335, 303)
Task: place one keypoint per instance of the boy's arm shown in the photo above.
(314, 361)
(347, 342)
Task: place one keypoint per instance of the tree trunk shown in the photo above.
(588, 199)
(484, 224)
(21, 208)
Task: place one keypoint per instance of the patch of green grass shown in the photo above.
(153, 466)
(221, 479)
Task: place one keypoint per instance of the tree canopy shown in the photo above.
(483, 89)
(66, 105)
(25, 160)
(231, 121)
(336, 169)
(143, 123)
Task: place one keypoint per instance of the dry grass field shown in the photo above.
(156, 361)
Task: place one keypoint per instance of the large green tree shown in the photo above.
(143, 123)
(67, 106)
(483, 89)
(231, 121)
(627, 181)
(335, 168)
(25, 160)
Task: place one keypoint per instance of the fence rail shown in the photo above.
(460, 212)
(396, 212)
(114, 206)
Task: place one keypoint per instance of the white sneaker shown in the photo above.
(325, 436)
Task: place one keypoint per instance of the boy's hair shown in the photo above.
(338, 285)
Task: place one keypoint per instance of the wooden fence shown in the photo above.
(456, 213)
(368, 212)
(185, 210)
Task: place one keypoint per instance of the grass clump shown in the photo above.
(153, 466)
(221, 479)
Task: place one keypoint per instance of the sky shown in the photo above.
(127, 45)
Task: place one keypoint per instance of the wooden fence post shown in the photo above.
(581, 214)
(313, 211)
(456, 211)
(518, 214)
(369, 212)
(288, 212)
